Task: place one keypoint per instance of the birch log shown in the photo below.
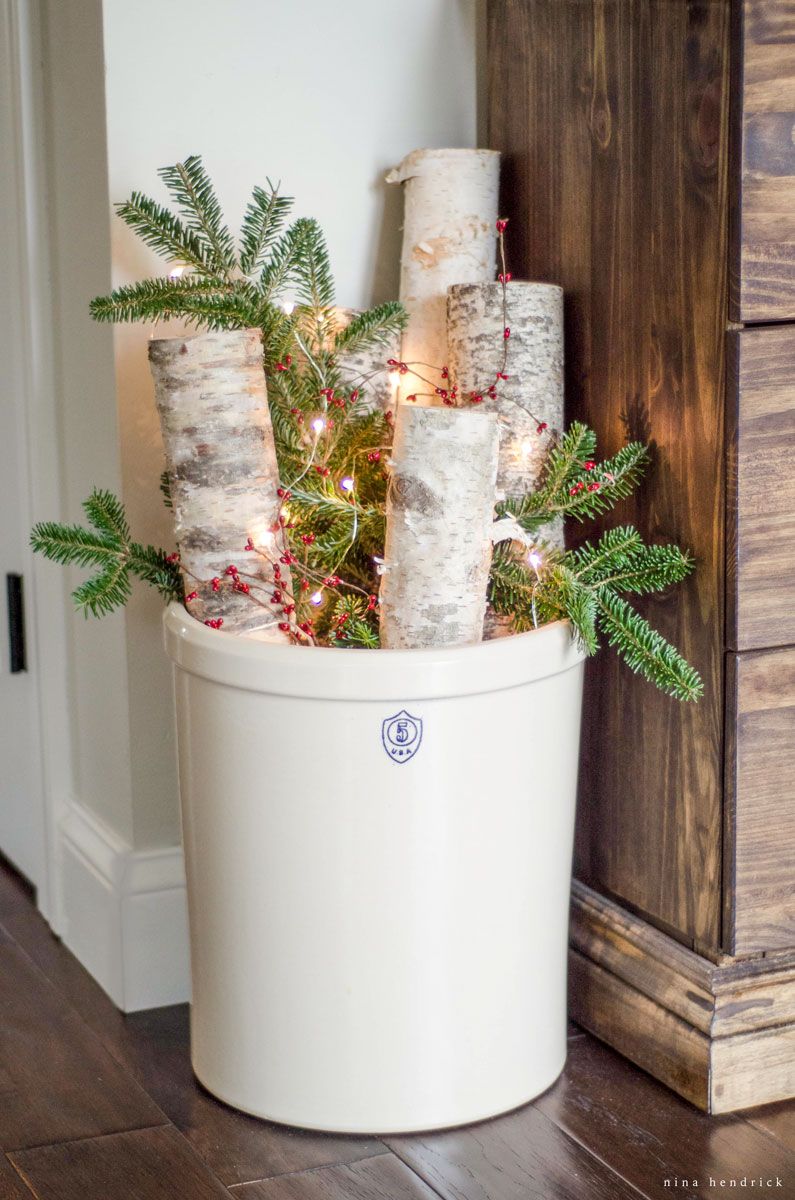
(449, 236)
(367, 369)
(221, 460)
(439, 517)
(533, 391)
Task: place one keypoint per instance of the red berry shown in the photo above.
(304, 585)
(593, 487)
(506, 278)
(354, 395)
(408, 398)
(191, 596)
(501, 224)
(300, 419)
(391, 362)
(277, 571)
(172, 558)
(589, 466)
(288, 608)
(216, 584)
(288, 360)
(249, 545)
(542, 425)
(441, 392)
(331, 580)
(307, 538)
(450, 403)
(502, 375)
(374, 456)
(371, 602)
(215, 622)
(284, 626)
(281, 367)
(476, 398)
(241, 587)
(506, 333)
(231, 570)
(276, 598)
(445, 373)
(389, 416)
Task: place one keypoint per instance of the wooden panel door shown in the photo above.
(764, 235)
(760, 601)
(613, 123)
(760, 801)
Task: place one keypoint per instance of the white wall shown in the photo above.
(77, 203)
(324, 97)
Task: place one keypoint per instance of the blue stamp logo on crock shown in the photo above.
(401, 735)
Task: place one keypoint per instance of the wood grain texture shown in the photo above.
(721, 1034)
(763, 236)
(382, 1178)
(522, 1156)
(154, 1047)
(16, 894)
(648, 1134)
(760, 566)
(760, 801)
(57, 1080)
(613, 124)
(147, 1164)
(12, 1186)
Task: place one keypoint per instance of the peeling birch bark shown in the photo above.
(439, 516)
(221, 460)
(378, 392)
(533, 391)
(449, 237)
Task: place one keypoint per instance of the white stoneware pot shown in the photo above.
(378, 849)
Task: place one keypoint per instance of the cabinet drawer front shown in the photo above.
(761, 488)
(764, 250)
(759, 882)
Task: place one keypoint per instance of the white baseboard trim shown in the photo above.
(124, 913)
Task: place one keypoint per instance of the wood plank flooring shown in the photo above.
(98, 1106)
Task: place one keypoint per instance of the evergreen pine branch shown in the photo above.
(621, 561)
(314, 282)
(645, 651)
(157, 299)
(105, 591)
(162, 231)
(106, 513)
(192, 189)
(110, 550)
(373, 327)
(72, 545)
(564, 461)
(262, 223)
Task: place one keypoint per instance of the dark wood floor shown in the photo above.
(97, 1106)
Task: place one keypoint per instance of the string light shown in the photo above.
(316, 598)
(318, 425)
(288, 307)
(534, 560)
(176, 272)
(347, 484)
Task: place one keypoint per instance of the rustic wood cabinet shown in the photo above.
(649, 167)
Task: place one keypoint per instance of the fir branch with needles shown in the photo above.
(332, 449)
(106, 545)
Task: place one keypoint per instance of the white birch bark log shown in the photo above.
(533, 392)
(221, 459)
(449, 236)
(378, 391)
(439, 516)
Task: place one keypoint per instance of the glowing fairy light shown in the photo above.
(394, 378)
(288, 307)
(176, 272)
(318, 425)
(534, 559)
(347, 484)
(316, 598)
